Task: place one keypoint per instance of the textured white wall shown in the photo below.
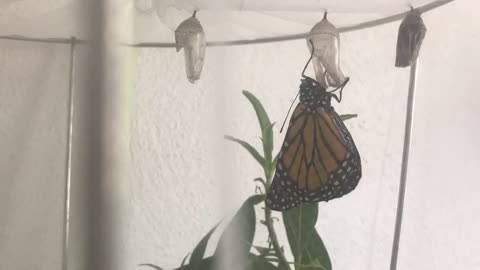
(178, 185)
(185, 178)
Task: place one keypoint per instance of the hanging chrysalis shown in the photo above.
(326, 56)
(191, 37)
(410, 37)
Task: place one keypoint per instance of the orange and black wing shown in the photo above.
(318, 160)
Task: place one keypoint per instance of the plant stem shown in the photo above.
(274, 239)
(269, 223)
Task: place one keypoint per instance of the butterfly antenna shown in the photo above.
(284, 121)
(310, 59)
(303, 75)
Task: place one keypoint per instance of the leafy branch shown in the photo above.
(268, 166)
(305, 243)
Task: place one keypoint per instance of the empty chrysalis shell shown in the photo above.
(191, 37)
(326, 56)
(410, 37)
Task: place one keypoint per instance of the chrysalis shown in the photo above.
(325, 38)
(410, 37)
(191, 37)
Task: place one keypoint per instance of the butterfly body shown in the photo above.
(318, 160)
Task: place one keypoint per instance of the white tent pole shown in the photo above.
(107, 106)
(68, 160)
(405, 156)
(99, 229)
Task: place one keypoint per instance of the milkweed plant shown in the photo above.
(306, 245)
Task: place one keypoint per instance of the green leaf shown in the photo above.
(236, 241)
(250, 262)
(259, 179)
(259, 263)
(205, 264)
(274, 163)
(264, 251)
(305, 242)
(267, 139)
(199, 251)
(151, 265)
(259, 110)
(249, 148)
(275, 160)
(345, 117)
(265, 125)
(184, 261)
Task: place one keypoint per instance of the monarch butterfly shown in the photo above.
(318, 160)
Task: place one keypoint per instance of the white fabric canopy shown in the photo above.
(155, 20)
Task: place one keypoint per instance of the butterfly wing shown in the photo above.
(318, 160)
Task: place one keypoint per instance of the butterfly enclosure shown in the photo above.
(178, 134)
